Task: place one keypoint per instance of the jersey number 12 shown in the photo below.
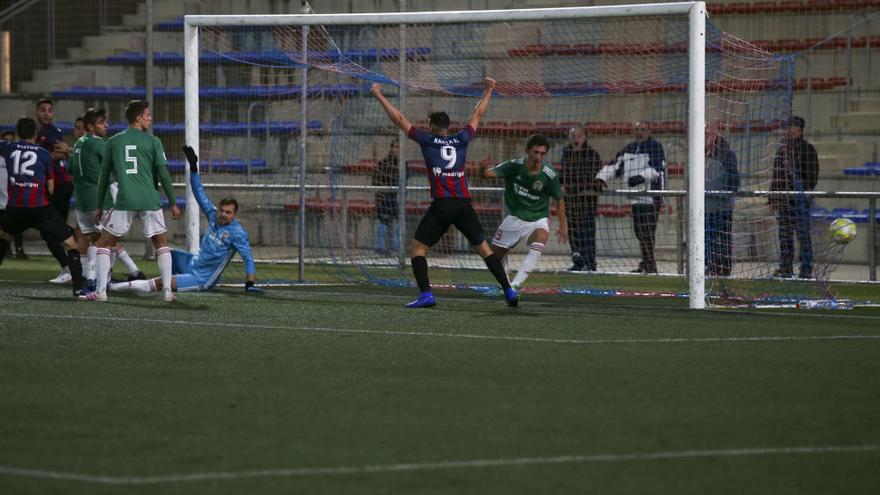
(22, 162)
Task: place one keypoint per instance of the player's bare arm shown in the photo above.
(562, 232)
(393, 113)
(487, 170)
(483, 104)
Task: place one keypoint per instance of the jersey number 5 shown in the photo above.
(22, 162)
(131, 159)
(448, 153)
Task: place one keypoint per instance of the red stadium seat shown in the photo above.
(792, 6)
(585, 49)
(766, 7)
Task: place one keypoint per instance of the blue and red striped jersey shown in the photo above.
(47, 136)
(445, 158)
(28, 167)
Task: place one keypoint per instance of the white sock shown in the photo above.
(112, 260)
(528, 264)
(163, 258)
(135, 286)
(90, 263)
(102, 267)
(130, 265)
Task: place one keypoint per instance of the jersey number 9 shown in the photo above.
(131, 159)
(448, 153)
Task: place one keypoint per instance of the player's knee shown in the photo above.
(540, 236)
(483, 249)
(416, 249)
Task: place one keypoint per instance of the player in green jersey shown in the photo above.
(137, 161)
(529, 183)
(85, 168)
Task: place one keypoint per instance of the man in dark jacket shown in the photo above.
(580, 164)
(386, 174)
(796, 168)
(721, 175)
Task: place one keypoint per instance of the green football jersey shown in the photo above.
(137, 161)
(85, 168)
(527, 196)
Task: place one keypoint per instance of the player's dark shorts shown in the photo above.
(450, 211)
(45, 219)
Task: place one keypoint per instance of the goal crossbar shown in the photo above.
(672, 8)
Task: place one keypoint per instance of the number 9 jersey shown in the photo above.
(445, 158)
(29, 167)
(137, 161)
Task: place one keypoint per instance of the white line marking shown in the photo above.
(431, 466)
(510, 338)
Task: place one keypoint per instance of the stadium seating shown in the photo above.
(227, 128)
(269, 57)
(868, 169)
(779, 45)
(790, 7)
(232, 165)
(224, 93)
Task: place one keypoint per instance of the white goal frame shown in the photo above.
(696, 12)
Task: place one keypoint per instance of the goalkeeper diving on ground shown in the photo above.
(225, 237)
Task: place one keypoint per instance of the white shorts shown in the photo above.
(118, 222)
(86, 222)
(512, 230)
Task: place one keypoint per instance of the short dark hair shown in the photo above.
(92, 115)
(797, 121)
(7, 132)
(26, 128)
(229, 201)
(78, 119)
(45, 100)
(537, 140)
(440, 120)
(135, 109)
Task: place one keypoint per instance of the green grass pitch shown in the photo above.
(338, 389)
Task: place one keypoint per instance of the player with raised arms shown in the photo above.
(137, 161)
(225, 237)
(445, 158)
(529, 183)
(31, 180)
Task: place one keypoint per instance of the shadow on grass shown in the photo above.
(126, 300)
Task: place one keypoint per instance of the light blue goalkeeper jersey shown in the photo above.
(220, 242)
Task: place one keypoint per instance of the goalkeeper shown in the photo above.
(225, 237)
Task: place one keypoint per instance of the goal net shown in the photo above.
(331, 191)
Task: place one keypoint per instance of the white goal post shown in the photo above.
(696, 12)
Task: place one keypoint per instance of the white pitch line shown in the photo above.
(432, 466)
(510, 338)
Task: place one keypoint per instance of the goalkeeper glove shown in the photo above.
(635, 180)
(192, 159)
(250, 287)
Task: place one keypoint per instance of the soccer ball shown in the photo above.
(843, 231)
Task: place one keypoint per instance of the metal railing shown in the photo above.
(679, 194)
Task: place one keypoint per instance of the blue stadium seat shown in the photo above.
(175, 25)
(233, 165)
(228, 128)
(858, 171)
(178, 200)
